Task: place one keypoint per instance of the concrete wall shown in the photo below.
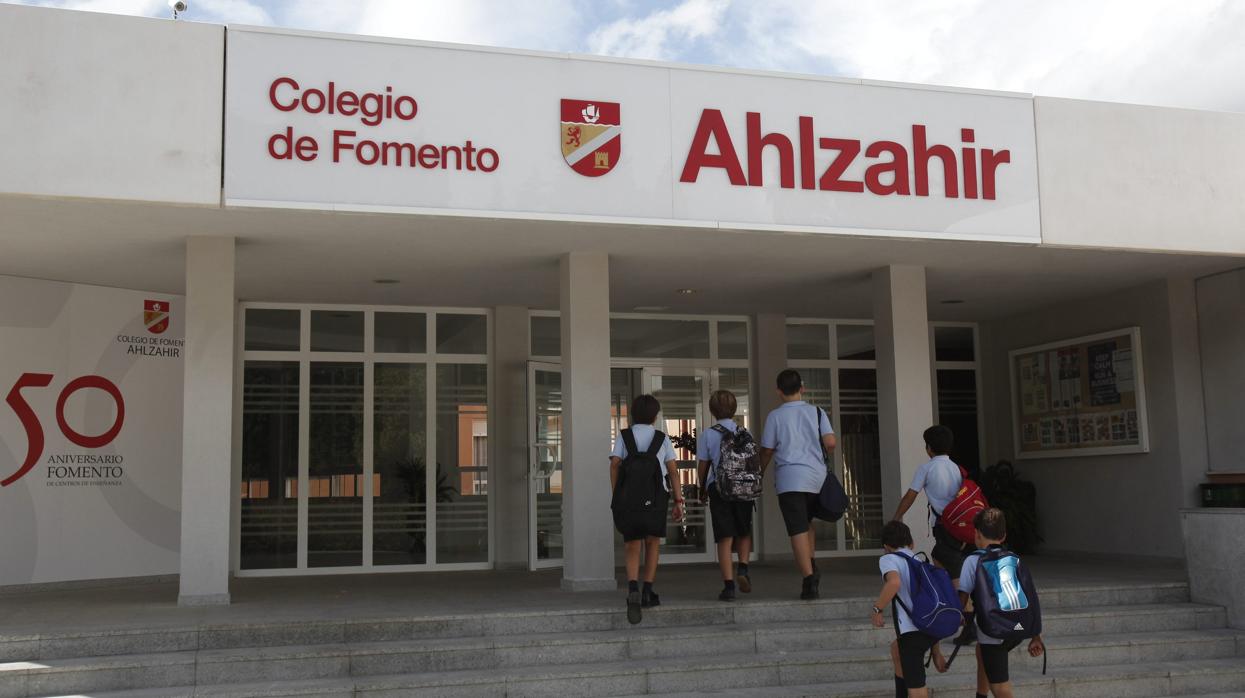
(1125, 504)
(1221, 326)
(1215, 577)
(111, 107)
(1123, 176)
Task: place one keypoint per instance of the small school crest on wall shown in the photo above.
(156, 316)
(591, 136)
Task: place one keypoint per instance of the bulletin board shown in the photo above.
(1080, 397)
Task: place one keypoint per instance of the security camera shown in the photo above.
(178, 6)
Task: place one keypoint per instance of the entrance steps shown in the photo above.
(1125, 640)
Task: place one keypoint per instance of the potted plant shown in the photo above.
(1017, 497)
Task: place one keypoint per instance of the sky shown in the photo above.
(1182, 53)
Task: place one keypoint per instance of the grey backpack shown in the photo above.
(738, 471)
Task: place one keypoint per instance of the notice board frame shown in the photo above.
(1143, 422)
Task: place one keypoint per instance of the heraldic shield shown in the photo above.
(156, 316)
(591, 136)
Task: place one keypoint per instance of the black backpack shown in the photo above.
(1005, 601)
(639, 491)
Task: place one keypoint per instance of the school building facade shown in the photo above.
(288, 303)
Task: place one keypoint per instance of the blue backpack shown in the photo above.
(935, 604)
(1005, 600)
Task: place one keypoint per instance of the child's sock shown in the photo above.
(901, 688)
(982, 695)
(743, 569)
(729, 583)
(633, 585)
(648, 587)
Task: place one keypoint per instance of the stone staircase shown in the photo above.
(1131, 640)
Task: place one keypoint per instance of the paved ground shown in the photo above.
(454, 593)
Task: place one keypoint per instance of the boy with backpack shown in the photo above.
(1005, 604)
(953, 500)
(923, 608)
(729, 466)
(643, 473)
(798, 437)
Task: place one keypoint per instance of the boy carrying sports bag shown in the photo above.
(1005, 603)
(924, 608)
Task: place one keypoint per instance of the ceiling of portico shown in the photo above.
(330, 257)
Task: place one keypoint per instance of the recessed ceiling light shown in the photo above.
(685, 291)
(952, 301)
(650, 308)
(384, 281)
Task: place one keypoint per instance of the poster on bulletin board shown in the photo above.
(1080, 397)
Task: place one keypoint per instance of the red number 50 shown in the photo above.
(34, 428)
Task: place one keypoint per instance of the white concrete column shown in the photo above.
(207, 431)
(770, 343)
(508, 440)
(587, 526)
(905, 392)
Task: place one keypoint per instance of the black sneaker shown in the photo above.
(727, 595)
(744, 583)
(649, 599)
(633, 607)
(809, 590)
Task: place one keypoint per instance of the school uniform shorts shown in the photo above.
(994, 660)
(912, 649)
(798, 510)
(730, 519)
(948, 551)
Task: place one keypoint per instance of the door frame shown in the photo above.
(533, 454)
(706, 376)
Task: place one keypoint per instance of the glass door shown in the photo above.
(684, 397)
(544, 409)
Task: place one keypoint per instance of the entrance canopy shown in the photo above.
(315, 256)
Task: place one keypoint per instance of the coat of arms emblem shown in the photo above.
(156, 316)
(591, 136)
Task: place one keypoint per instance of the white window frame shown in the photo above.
(369, 358)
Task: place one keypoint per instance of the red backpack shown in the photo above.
(957, 517)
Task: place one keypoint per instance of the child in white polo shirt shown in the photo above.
(940, 479)
(992, 671)
(644, 535)
(910, 645)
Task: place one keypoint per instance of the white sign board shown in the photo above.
(320, 121)
(90, 432)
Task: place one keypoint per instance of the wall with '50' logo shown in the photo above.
(90, 431)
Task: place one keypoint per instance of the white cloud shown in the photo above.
(231, 11)
(120, 7)
(542, 24)
(234, 11)
(662, 34)
(1190, 53)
